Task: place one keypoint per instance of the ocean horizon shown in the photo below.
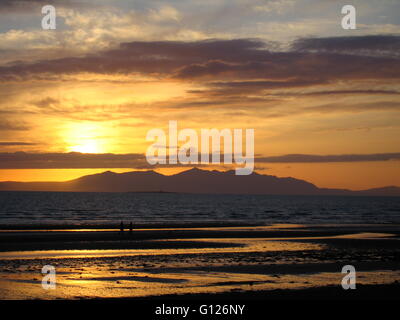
(19, 208)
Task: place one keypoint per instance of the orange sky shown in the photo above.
(327, 175)
(93, 87)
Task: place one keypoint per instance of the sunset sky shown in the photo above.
(112, 70)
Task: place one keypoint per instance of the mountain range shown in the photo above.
(191, 181)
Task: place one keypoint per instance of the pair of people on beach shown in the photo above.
(122, 227)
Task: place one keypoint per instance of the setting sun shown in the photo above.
(84, 137)
(90, 146)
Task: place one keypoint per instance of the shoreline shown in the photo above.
(193, 236)
(188, 225)
(382, 292)
(116, 226)
(200, 262)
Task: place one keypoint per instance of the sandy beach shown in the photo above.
(255, 262)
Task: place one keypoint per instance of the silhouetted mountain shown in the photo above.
(385, 191)
(191, 181)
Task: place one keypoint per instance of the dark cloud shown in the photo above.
(308, 158)
(335, 107)
(240, 59)
(237, 88)
(46, 102)
(28, 5)
(250, 85)
(231, 73)
(76, 160)
(6, 125)
(240, 88)
(322, 67)
(72, 160)
(355, 107)
(372, 44)
(159, 57)
(351, 92)
(13, 143)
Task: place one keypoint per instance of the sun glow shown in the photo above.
(85, 138)
(89, 146)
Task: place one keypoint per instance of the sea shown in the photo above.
(94, 208)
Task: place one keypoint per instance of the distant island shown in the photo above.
(191, 181)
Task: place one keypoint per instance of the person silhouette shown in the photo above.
(130, 227)
(121, 227)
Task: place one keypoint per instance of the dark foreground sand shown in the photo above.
(199, 262)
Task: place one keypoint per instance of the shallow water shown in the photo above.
(244, 245)
(79, 208)
(257, 264)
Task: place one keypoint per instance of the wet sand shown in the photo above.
(196, 261)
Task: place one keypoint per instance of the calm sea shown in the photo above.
(36, 208)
